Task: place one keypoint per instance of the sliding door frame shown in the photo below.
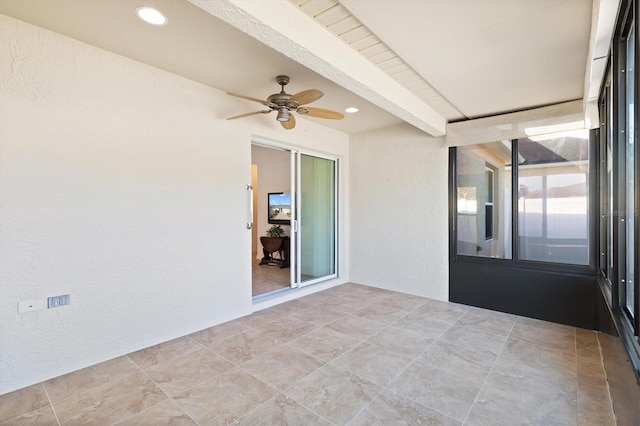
(295, 237)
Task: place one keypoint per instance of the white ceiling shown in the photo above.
(490, 56)
(476, 57)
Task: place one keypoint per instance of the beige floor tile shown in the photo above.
(391, 409)
(111, 402)
(426, 326)
(443, 363)
(361, 298)
(546, 325)
(212, 336)
(485, 347)
(318, 315)
(245, 346)
(450, 394)
(225, 398)
(356, 328)
(164, 351)
(261, 317)
(333, 393)
(341, 290)
(373, 363)
(521, 359)
(594, 406)
(282, 366)
(81, 381)
(503, 316)
(321, 298)
(286, 330)
(345, 306)
(323, 343)
(268, 278)
(507, 400)
(545, 338)
(179, 374)
(587, 343)
(405, 301)
(404, 341)
(281, 411)
(487, 322)
(590, 367)
(164, 413)
(438, 309)
(22, 401)
(43, 416)
(292, 306)
(385, 313)
(456, 360)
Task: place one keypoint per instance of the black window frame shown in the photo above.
(613, 288)
(515, 260)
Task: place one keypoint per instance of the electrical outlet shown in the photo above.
(30, 306)
(55, 301)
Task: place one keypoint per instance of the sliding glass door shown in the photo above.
(300, 195)
(316, 219)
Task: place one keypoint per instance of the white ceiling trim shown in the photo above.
(561, 117)
(603, 22)
(285, 28)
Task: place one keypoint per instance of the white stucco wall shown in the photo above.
(123, 186)
(398, 204)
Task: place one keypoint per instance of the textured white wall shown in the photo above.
(123, 186)
(398, 203)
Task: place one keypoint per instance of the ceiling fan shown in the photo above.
(284, 104)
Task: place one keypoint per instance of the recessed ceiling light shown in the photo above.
(351, 110)
(151, 16)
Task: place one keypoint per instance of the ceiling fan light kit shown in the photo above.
(285, 104)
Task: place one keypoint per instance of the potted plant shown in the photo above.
(275, 242)
(275, 231)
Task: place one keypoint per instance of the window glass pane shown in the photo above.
(483, 176)
(610, 251)
(317, 217)
(553, 223)
(629, 179)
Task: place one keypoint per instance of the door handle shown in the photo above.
(249, 189)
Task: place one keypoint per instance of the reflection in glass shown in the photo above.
(483, 176)
(630, 170)
(553, 193)
(318, 220)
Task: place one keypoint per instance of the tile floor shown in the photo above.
(349, 355)
(268, 278)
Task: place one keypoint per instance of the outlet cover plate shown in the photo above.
(56, 301)
(30, 306)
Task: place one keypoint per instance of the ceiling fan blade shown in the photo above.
(321, 113)
(249, 98)
(248, 114)
(289, 124)
(305, 97)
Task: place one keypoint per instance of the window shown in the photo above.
(607, 211)
(488, 205)
(619, 191)
(629, 178)
(484, 200)
(553, 198)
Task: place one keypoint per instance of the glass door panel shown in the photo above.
(630, 167)
(317, 224)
